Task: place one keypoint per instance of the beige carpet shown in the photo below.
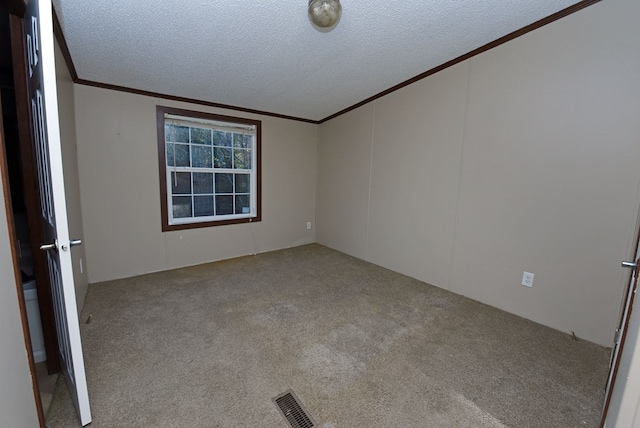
(209, 346)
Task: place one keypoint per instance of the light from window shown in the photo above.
(209, 169)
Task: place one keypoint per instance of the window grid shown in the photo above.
(233, 160)
(193, 194)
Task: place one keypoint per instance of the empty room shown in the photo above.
(320, 214)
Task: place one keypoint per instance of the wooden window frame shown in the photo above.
(161, 113)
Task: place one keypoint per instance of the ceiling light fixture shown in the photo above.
(324, 14)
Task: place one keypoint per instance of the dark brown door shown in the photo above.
(30, 185)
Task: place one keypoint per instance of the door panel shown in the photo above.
(621, 334)
(38, 30)
(31, 190)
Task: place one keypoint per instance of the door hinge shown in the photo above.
(616, 340)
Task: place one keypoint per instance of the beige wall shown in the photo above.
(521, 158)
(66, 111)
(120, 196)
(414, 179)
(343, 192)
(17, 401)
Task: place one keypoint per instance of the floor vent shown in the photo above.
(292, 410)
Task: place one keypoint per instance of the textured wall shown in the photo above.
(521, 158)
(120, 196)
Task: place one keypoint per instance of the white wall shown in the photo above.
(66, 111)
(521, 158)
(120, 196)
(17, 401)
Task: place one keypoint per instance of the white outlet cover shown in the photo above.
(527, 279)
(308, 225)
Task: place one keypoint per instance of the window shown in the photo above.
(209, 169)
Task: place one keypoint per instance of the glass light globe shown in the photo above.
(324, 14)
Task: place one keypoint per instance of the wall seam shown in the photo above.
(316, 228)
(458, 197)
(373, 131)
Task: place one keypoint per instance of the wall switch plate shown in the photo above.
(527, 279)
(81, 266)
(308, 225)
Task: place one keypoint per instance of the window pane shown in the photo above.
(201, 157)
(224, 183)
(200, 136)
(202, 206)
(242, 141)
(242, 159)
(180, 183)
(242, 204)
(202, 182)
(222, 158)
(224, 205)
(181, 206)
(177, 154)
(242, 183)
(169, 155)
(176, 134)
(221, 138)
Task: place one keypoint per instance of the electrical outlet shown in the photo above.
(308, 225)
(527, 279)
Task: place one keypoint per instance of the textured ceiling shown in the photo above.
(265, 55)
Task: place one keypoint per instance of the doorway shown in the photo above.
(41, 328)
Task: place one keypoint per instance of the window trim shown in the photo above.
(162, 164)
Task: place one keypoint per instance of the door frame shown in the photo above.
(16, 10)
(623, 325)
(4, 171)
(31, 192)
